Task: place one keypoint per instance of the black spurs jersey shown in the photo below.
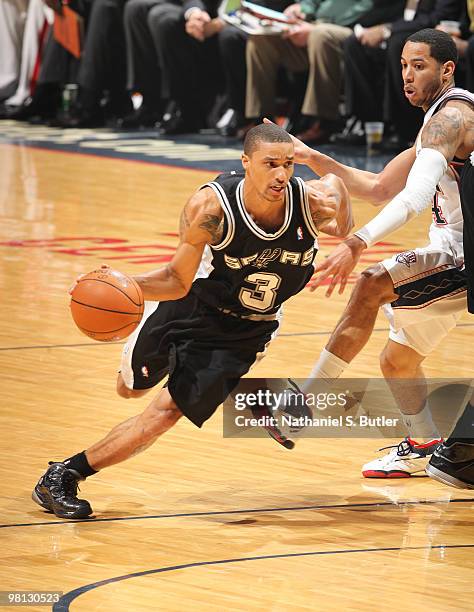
(252, 271)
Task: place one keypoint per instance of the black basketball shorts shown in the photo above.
(204, 352)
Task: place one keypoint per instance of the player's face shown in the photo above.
(423, 76)
(269, 168)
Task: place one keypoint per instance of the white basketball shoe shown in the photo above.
(404, 460)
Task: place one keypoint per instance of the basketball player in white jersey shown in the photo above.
(422, 291)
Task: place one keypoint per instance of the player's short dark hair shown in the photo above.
(264, 132)
(442, 46)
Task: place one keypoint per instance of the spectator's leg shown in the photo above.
(103, 64)
(34, 40)
(182, 59)
(143, 67)
(325, 54)
(264, 56)
(364, 72)
(12, 23)
(232, 43)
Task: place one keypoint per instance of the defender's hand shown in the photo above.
(339, 265)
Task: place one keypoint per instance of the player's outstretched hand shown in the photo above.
(339, 265)
(302, 151)
(74, 284)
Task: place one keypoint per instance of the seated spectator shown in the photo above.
(314, 44)
(102, 70)
(373, 79)
(181, 52)
(458, 21)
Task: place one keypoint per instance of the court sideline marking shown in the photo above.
(242, 511)
(63, 604)
(281, 335)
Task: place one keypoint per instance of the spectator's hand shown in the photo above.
(195, 24)
(302, 151)
(339, 265)
(213, 27)
(372, 37)
(294, 12)
(461, 44)
(298, 35)
(449, 30)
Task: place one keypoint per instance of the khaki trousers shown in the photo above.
(323, 58)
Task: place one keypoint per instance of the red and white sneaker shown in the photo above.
(405, 459)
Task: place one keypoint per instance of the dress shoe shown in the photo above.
(142, 117)
(315, 134)
(80, 120)
(33, 111)
(241, 133)
(179, 124)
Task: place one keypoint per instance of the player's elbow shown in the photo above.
(345, 229)
(180, 286)
(380, 193)
(342, 230)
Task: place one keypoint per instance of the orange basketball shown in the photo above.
(107, 305)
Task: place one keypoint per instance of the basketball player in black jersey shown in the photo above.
(428, 61)
(247, 244)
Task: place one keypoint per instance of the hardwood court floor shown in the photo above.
(198, 522)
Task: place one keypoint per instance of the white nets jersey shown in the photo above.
(446, 230)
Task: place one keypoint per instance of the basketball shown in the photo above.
(106, 305)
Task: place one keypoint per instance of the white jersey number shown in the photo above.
(263, 296)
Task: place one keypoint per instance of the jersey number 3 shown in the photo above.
(262, 297)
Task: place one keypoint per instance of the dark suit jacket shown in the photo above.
(383, 11)
(430, 12)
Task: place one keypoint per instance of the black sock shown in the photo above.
(464, 428)
(79, 464)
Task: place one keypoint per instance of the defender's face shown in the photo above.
(269, 168)
(423, 76)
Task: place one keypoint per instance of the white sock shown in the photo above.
(421, 426)
(328, 366)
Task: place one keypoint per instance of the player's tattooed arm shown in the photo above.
(213, 225)
(445, 131)
(201, 223)
(202, 218)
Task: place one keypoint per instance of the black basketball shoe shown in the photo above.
(56, 491)
(452, 463)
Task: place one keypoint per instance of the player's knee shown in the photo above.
(125, 392)
(400, 361)
(162, 413)
(375, 286)
(388, 364)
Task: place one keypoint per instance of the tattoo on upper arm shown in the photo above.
(442, 132)
(214, 226)
(183, 222)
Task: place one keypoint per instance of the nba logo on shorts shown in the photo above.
(145, 372)
(407, 258)
(299, 233)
